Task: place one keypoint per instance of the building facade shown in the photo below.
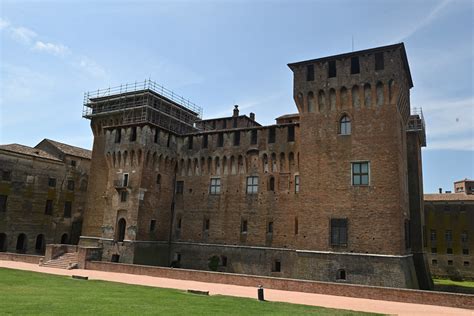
(331, 193)
(449, 231)
(42, 195)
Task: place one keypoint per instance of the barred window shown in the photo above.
(179, 187)
(338, 232)
(360, 173)
(215, 187)
(252, 185)
(433, 235)
(449, 235)
(345, 125)
(52, 182)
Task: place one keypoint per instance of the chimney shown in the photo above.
(440, 190)
(252, 116)
(236, 110)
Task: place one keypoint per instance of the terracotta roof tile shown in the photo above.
(29, 151)
(71, 150)
(449, 197)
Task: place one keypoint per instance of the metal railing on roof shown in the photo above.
(416, 122)
(139, 86)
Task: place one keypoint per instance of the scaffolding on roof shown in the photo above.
(416, 123)
(144, 102)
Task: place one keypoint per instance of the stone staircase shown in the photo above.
(67, 260)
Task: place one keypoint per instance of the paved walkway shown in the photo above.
(330, 301)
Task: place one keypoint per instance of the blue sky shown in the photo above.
(220, 53)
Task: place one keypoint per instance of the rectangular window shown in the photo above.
(243, 226)
(73, 163)
(204, 141)
(465, 251)
(52, 182)
(168, 142)
(277, 266)
(6, 175)
(237, 138)
(448, 235)
(297, 184)
(220, 140)
(270, 228)
(70, 185)
(224, 261)
(379, 64)
(360, 173)
(252, 185)
(157, 136)
(179, 187)
(271, 135)
(48, 209)
(466, 263)
(152, 225)
(434, 250)
(118, 135)
(190, 142)
(67, 209)
(296, 226)
(355, 66)
(207, 224)
(215, 187)
(291, 133)
(434, 262)
(253, 137)
(310, 73)
(3, 203)
(449, 251)
(178, 223)
(125, 180)
(133, 134)
(338, 232)
(433, 235)
(450, 262)
(331, 69)
(464, 236)
(123, 196)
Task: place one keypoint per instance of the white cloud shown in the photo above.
(55, 49)
(91, 67)
(4, 24)
(432, 15)
(466, 144)
(22, 34)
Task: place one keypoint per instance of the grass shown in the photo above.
(469, 284)
(31, 293)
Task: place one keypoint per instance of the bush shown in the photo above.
(213, 263)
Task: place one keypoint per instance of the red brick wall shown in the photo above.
(349, 290)
(20, 257)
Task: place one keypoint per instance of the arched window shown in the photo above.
(341, 274)
(21, 243)
(345, 125)
(158, 180)
(39, 247)
(64, 239)
(122, 224)
(3, 242)
(271, 184)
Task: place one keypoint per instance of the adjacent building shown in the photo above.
(42, 195)
(332, 192)
(450, 230)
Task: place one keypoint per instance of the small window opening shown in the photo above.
(449, 251)
(237, 138)
(73, 163)
(341, 274)
(70, 185)
(271, 135)
(338, 232)
(434, 250)
(190, 142)
(118, 135)
(115, 258)
(224, 261)
(125, 180)
(52, 182)
(291, 133)
(152, 225)
(379, 62)
(220, 140)
(296, 226)
(253, 137)
(67, 209)
(204, 141)
(178, 223)
(466, 263)
(123, 196)
(450, 262)
(207, 224)
(243, 226)
(157, 136)
(345, 125)
(355, 66)
(48, 209)
(331, 69)
(434, 262)
(297, 184)
(158, 179)
(64, 239)
(6, 175)
(277, 266)
(133, 134)
(3, 203)
(271, 184)
(179, 187)
(121, 226)
(310, 73)
(168, 143)
(270, 228)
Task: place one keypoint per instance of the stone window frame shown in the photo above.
(344, 125)
(338, 236)
(215, 186)
(179, 187)
(360, 174)
(252, 185)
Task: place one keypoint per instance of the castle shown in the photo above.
(331, 193)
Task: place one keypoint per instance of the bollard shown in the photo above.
(260, 293)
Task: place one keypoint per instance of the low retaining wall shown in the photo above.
(327, 288)
(20, 257)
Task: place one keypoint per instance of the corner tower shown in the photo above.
(130, 196)
(354, 109)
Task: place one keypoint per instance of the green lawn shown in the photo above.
(30, 293)
(469, 284)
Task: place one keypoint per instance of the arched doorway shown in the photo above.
(121, 226)
(64, 239)
(21, 243)
(39, 246)
(3, 242)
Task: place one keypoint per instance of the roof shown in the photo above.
(29, 151)
(361, 52)
(69, 149)
(449, 197)
(288, 116)
(464, 180)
